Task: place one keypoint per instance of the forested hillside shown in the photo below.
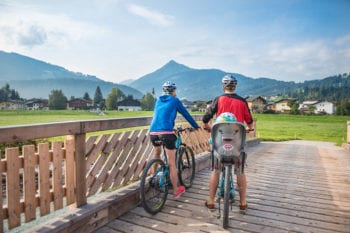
(335, 88)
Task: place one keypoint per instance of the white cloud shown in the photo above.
(29, 28)
(154, 17)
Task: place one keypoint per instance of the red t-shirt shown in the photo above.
(229, 103)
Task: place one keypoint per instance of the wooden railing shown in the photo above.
(348, 133)
(41, 178)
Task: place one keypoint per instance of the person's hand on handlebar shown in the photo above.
(249, 129)
(206, 127)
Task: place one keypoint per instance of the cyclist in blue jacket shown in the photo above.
(162, 126)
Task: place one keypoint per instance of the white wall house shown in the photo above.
(129, 105)
(325, 107)
(129, 108)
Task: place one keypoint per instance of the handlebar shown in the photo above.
(247, 130)
(179, 129)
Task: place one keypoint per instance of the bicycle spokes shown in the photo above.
(154, 188)
(186, 166)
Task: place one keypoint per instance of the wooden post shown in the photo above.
(1, 204)
(348, 132)
(80, 169)
(254, 132)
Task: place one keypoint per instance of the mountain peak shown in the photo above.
(172, 65)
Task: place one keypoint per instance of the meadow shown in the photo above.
(269, 127)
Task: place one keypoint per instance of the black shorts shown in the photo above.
(167, 139)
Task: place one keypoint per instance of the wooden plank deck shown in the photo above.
(294, 186)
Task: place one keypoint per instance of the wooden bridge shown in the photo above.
(295, 186)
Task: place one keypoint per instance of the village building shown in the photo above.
(79, 104)
(12, 105)
(188, 104)
(325, 107)
(281, 106)
(37, 104)
(317, 107)
(256, 104)
(129, 105)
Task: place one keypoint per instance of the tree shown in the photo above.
(86, 96)
(311, 109)
(343, 108)
(121, 95)
(147, 102)
(98, 99)
(112, 99)
(57, 100)
(6, 93)
(294, 107)
(14, 95)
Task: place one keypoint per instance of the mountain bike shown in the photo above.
(154, 188)
(228, 141)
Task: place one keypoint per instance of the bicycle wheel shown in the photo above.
(186, 165)
(154, 188)
(226, 196)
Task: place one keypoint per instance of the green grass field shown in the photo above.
(281, 127)
(270, 127)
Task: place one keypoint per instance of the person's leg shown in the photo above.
(213, 185)
(157, 150)
(242, 184)
(156, 154)
(173, 169)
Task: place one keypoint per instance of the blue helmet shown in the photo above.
(169, 87)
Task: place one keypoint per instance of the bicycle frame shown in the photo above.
(220, 192)
(164, 173)
(154, 188)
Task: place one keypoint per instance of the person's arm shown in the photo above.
(209, 114)
(183, 111)
(211, 110)
(248, 118)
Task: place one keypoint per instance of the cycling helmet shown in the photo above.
(226, 117)
(229, 81)
(169, 87)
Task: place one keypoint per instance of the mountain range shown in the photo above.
(205, 84)
(33, 78)
(36, 79)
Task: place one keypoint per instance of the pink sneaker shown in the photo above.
(180, 190)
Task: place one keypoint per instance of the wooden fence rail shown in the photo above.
(39, 179)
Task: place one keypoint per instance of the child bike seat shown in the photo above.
(228, 140)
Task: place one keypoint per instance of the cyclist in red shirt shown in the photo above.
(233, 103)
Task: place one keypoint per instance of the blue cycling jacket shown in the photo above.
(165, 112)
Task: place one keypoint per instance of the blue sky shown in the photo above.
(116, 40)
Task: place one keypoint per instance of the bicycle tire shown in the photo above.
(152, 195)
(186, 165)
(226, 196)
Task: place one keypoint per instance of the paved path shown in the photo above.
(295, 186)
